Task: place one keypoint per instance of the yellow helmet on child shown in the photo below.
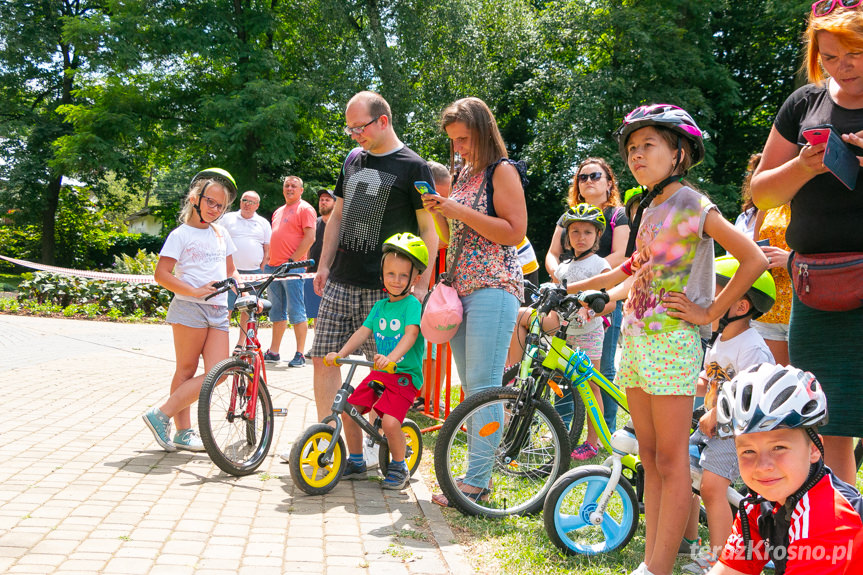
(762, 293)
(409, 246)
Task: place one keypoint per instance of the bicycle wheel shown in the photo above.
(474, 441)
(308, 470)
(414, 452)
(234, 443)
(573, 498)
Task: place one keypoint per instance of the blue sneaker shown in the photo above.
(355, 471)
(160, 425)
(270, 357)
(298, 361)
(397, 477)
(189, 440)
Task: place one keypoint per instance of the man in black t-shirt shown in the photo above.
(326, 203)
(375, 198)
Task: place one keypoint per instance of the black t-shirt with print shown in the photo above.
(825, 215)
(379, 200)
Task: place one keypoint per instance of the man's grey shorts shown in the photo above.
(198, 315)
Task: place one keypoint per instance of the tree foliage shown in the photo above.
(146, 92)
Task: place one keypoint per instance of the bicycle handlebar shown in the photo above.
(282, 271)
(390, 368)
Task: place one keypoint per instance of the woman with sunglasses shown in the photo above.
(595, 183)
(196, 255)
(825, 215)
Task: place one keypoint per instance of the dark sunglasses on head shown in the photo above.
(593, 176)
(825, 7)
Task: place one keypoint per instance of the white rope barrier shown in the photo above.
(128, 278)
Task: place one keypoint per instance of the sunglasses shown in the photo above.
(359, 129)
(213, 204)
(825, 7)
(593, 176)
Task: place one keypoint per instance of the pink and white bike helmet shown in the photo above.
(766, 397)
(667, 116)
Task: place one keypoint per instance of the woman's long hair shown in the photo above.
(488, 146)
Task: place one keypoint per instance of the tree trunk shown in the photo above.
(49, 217)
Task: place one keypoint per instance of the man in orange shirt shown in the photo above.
(293, 234)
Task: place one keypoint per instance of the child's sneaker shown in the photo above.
(397, 477)
(355, 470)
(702, 565)
(189, 440)
(160, 425)
(688, 549)
(585, 451)
(298, 361)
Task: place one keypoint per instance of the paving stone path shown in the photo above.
(85, 489)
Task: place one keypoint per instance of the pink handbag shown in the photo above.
(442, 314)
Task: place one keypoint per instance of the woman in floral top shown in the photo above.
(488, 275)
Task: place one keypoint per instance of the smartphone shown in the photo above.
(838, 157)
(762, 243)
(425, 188)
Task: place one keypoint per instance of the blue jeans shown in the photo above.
(287, 298)
(609, 348)
(479, 348)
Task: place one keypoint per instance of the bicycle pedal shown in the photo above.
(280, 411)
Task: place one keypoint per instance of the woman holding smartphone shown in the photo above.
(825, 217)
(488, 275)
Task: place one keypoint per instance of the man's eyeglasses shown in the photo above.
(593, 176)
(359, 129)
(213, 204)
(248, 201)
(825, 7)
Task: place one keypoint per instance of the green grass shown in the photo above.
(519, 545)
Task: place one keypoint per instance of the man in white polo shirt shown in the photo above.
(251, 234)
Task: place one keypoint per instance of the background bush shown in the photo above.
(92, 297)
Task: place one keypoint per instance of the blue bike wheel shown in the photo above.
(571, 501)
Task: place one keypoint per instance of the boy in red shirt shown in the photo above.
(800, 516)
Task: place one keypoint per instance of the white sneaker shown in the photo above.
(189, 440)
(641, 570)
(370, 455)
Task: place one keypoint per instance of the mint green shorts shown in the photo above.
(661, 364)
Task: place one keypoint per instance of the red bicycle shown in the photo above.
(235, 412)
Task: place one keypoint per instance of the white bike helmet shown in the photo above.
(766, 397)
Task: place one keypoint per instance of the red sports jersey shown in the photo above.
(825, 536)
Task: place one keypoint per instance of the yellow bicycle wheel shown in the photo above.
(309, 469)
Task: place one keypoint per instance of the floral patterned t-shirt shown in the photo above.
(483, 263)
(677, 256)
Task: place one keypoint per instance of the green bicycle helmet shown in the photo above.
(410, 246)
(762, 294)
(218, 174)
(584, 213)
(632, 195)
